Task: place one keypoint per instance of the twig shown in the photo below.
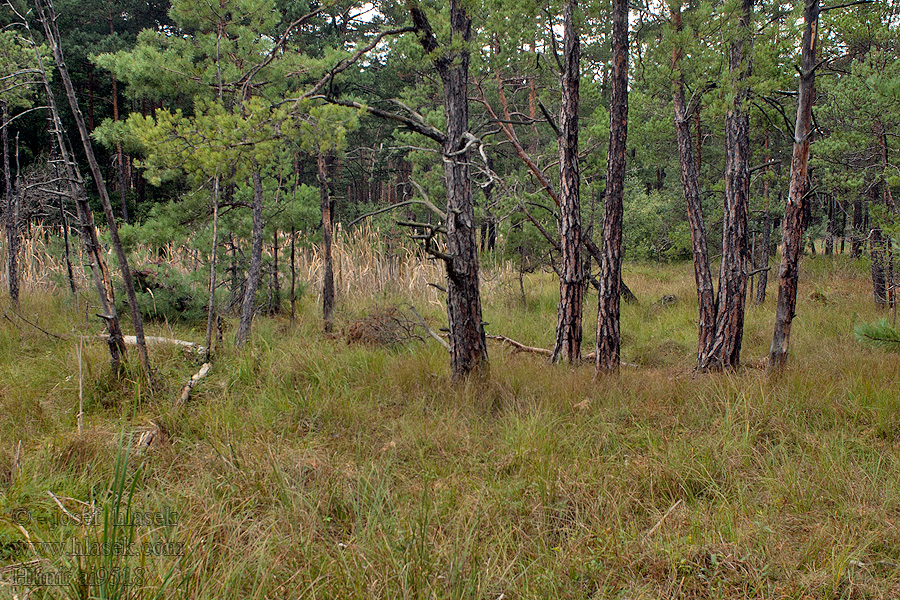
(16, 458)
(660, 522)
(39, 328)
(80, 386)
(385, 209)
(63, 508)
(429, 330)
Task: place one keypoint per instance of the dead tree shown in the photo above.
(48, 20)
(213, 252)
(88, 230)
(12, 225)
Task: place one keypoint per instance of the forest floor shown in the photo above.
(309, 467)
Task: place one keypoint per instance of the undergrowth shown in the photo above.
(309, 467)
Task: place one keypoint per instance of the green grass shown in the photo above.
(306, 467)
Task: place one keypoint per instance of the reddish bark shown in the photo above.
(690, 182)
(571, 278)
(725, 351)
(795, 207)
(608, 335)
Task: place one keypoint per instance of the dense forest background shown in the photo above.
(241, 133)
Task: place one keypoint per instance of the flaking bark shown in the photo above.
(571, 277)
(796, 206)
(608, 334)
(468, 347)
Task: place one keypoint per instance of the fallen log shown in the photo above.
(131, 340)
(520, 347)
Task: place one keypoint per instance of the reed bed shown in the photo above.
(368, 264)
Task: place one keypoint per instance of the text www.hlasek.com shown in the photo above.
(75, 547)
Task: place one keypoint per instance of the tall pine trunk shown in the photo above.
(248, 305)
(878, 244)
(276, 280)
(327, 232)
(690, 181)
(725, 351)
(468, 347)
(571, 278)
(608, 335)
(795, 208)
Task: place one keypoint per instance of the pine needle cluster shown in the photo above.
(879, 334)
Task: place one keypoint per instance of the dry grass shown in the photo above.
(308, 468)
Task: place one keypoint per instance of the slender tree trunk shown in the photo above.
(102, 281)
(120, 155)
(276, 283)
(235, 283)
(65, 231)
(795, 208)
(690, 181)
(293, 277)
(48, 19)
(608, 335)
(571, 278)
(213, 252)
(327, 232)
(879, 272)
(856, 234)
(248, 306)
(489, 225)
(763, 261)
(829, 226)
(468, 347)
(887, 253)
(843, 226)
(12, 227)
(725, 351)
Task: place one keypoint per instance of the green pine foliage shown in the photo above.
(879, 334)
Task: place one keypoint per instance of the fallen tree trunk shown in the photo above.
(186, 391)
(131, 340)
(520, 347)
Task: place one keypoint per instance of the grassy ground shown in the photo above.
(306, 467)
